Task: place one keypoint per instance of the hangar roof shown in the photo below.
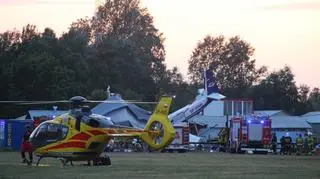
(37, 113)
(289, 122)
(312, 117)
(313, 113)
(107, 108)
(269, 112)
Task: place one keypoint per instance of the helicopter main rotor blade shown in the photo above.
(65, 101)
(34, 102)
(43, 102)
(115, 102)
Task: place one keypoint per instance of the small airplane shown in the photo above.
(80, 135)
(210, 92)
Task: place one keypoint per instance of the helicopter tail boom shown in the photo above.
(160, 130)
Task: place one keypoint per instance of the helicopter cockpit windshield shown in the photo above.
(47, 133)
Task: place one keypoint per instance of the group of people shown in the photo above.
(303, 145)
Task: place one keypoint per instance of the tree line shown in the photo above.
(120, 46)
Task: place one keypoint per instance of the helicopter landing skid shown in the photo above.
(65, 161)
(38, 161)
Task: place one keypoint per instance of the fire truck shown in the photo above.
(251, 134)
(181, 141)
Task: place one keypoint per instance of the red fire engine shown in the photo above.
(250, 134)
(181, 141)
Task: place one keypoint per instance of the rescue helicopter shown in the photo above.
(80, 135)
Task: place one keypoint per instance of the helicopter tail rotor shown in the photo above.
(161, 132)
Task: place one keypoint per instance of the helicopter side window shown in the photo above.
(42, 132)
(56, 132)
(93, 123)
(90, 121)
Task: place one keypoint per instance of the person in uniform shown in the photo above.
(305, 144)
(299, 143)
(310, 144)
(274, 143)
(26, 147)
(315, 140)
(287, 144)
(282, 145)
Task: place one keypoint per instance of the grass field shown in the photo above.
(169, 165)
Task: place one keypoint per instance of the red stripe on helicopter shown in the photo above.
(81, 136)
(111, 131)
(75, 144)
(134, 130)
(96, 132)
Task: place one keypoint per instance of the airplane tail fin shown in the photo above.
(210, 83)
(159, 130)
(211, 88)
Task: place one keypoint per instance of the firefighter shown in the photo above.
(223, 139)
(299, 143)
(310, 143)
(274, 143)
(287, 144)
(26, 147)
(315, 140)
(305, 144)
(282, 144)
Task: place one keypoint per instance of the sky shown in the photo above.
(283, 32)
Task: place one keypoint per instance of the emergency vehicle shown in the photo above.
(181, 141)
(251, 134)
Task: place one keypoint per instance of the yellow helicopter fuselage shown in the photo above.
(78, 140)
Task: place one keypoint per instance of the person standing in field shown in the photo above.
(274, 143)
(299, 143)
(26, 147)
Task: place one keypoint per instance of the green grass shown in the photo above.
(169, 165)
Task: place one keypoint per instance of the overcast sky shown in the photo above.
(281, 31)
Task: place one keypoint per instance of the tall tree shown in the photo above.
(314, 99)
(231, 61)
(123, 34)
(277, 91)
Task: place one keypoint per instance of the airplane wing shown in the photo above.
(216, 96)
